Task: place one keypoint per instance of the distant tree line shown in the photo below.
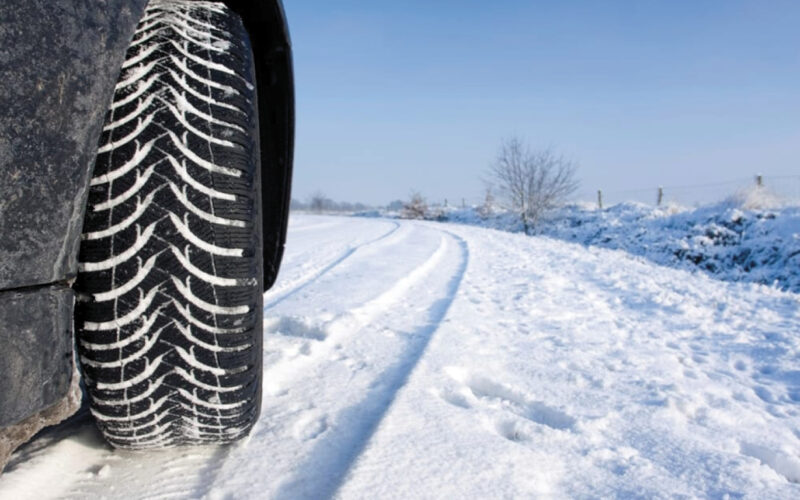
(319, 203)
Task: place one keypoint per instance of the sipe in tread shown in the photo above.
(170, 273)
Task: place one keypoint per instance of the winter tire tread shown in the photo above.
(170, 272)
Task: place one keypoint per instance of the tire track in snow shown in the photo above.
(331, 459)
(346, 325)
(314, 227)
(309, 278)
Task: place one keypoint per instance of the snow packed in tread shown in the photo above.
(169, 328)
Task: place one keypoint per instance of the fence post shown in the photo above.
(445, 202)
(600, 199)
(759, 180)
(660, 195)
(463, 203)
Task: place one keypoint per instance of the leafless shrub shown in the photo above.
(415, 208)
(319, 202)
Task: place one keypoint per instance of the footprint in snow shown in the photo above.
(765, 394)
(491, 394)
(294, 326)
(454, 398)
(511, 430)
(309, 426)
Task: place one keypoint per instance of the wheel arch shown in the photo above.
(265, 22)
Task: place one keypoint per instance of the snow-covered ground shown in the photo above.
(423, 360)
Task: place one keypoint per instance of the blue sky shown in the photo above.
(417, 95)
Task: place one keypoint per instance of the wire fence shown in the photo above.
(784, 188)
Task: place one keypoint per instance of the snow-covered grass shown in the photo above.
(408, 359)
(726, 241)
(752, 236)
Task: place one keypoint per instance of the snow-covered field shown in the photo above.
(424, 360)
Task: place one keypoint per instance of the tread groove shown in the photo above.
(170, 260)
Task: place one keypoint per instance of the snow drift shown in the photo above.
(749, 237)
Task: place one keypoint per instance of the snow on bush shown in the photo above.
(726, 240)
(752, 236)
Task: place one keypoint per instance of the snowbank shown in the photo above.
(741, 239)
(724, 240)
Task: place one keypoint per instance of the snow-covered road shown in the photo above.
(423, 360)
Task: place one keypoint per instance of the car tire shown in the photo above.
(170, 282)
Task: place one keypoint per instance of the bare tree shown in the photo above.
(416, 207)
(532, 182)
(319, 202)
